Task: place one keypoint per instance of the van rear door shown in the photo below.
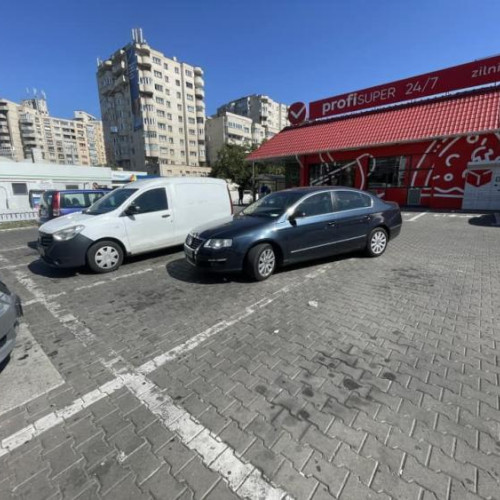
(153, 225)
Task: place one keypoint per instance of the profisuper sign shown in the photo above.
(467, 75)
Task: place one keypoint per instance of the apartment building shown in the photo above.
(261, 109)
(153, 111)
(27, 131)
(230, 128)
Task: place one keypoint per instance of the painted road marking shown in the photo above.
(16, 229)
(52, 419)
(416, 217)
(24, 247)
(215, 454)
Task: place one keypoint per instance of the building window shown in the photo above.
(167, 91)
(192, 131)
(167, 79)
(169, 116)
(145, 80)
(159, 87)
(171, 140)
(189, 97)
(19, 188)
(163, 138)
(156, 60)
(189, 73)
(192, 121)
(176, 70)
(189, 85)
(190, 109)
(178, 83)
(169, 104)
(183, 153)
(160, 113)
(386, 172)
(181, 130)
(193, 153)
(165, 66)
(172, 152)
(158, 74)
(170, 129)
(180, 119)
(179, 107)
(162, 126)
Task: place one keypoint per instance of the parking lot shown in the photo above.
(346, 378)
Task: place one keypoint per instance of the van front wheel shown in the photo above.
(105, 256)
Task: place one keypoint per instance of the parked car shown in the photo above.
(58, 203)
(137, 218)
(10, 312)
(295, 225)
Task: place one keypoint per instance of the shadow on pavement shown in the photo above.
(487, 220)
(181, 270)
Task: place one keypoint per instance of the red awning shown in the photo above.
(473, 112)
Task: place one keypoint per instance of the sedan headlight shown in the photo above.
(216, 244)
(68, 234)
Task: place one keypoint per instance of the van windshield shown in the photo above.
(110, 202)
(273, 205)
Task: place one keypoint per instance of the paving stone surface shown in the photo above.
(389, 388)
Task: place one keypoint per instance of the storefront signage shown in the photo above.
(467, 75)
(297, 113)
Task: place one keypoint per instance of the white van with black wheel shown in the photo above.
(140, 217)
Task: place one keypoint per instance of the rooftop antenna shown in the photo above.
(44, 95)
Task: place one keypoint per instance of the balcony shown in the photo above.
(198, 81)
(200, 112)
(144, 62)
(118, 67)
(4, 129)
(147, 88)
(199, 93)
(198, 71)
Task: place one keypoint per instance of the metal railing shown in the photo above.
(18, 216)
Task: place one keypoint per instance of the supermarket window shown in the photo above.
(387, 171)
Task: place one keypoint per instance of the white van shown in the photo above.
(137, 218)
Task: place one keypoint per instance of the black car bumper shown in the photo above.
(64, 254)
(8, 327)
(224, 260)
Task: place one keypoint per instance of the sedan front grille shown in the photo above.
(193, 242)
(45, 240)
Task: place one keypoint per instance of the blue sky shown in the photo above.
(291, 50)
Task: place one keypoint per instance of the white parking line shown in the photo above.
(416, 217)
(215, 454)
(24, 247)
(16, 229)
(52, 419)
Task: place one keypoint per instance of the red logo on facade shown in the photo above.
(479, 178)
(297, 113)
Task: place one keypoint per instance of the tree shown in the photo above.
(230, 164)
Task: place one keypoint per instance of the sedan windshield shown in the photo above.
(273, 205)
(110, 202)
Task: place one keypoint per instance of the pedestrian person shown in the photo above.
(240, 195)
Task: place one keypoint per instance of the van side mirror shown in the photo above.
(132, 209)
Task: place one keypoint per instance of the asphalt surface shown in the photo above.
(345, 378)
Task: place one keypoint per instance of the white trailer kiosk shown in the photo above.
(22, 183)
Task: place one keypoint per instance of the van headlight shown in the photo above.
(216, 244)
(68, 234)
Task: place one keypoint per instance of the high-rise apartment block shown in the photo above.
(153, 111)
(246, 121)
(27, 131)
(229, 128)
(261, 109)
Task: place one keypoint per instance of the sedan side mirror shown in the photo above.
(132, 209)
(297, 214)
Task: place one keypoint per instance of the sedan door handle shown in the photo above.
(165, 216)
(331, 224)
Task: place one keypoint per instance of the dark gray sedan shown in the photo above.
(10, 312)
(295, 225)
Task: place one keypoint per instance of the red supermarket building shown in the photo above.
(438, 151)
